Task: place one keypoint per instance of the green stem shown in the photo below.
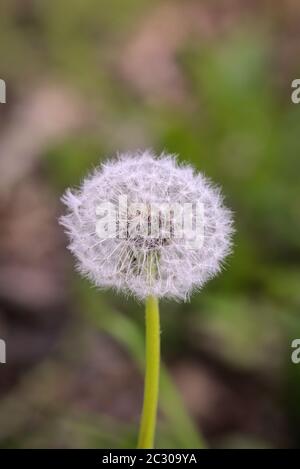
(148, 420)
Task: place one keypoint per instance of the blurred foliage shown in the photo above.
(237, 126)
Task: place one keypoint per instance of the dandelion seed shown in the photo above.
(120, 262)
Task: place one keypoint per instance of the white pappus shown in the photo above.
(137, 262)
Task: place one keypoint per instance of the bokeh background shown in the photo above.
(211, 81)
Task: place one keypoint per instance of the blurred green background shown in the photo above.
(210, 81)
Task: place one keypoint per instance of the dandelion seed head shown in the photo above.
(135, 261)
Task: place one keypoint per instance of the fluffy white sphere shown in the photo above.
(134, 261)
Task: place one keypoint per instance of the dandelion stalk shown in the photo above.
(151, 386)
